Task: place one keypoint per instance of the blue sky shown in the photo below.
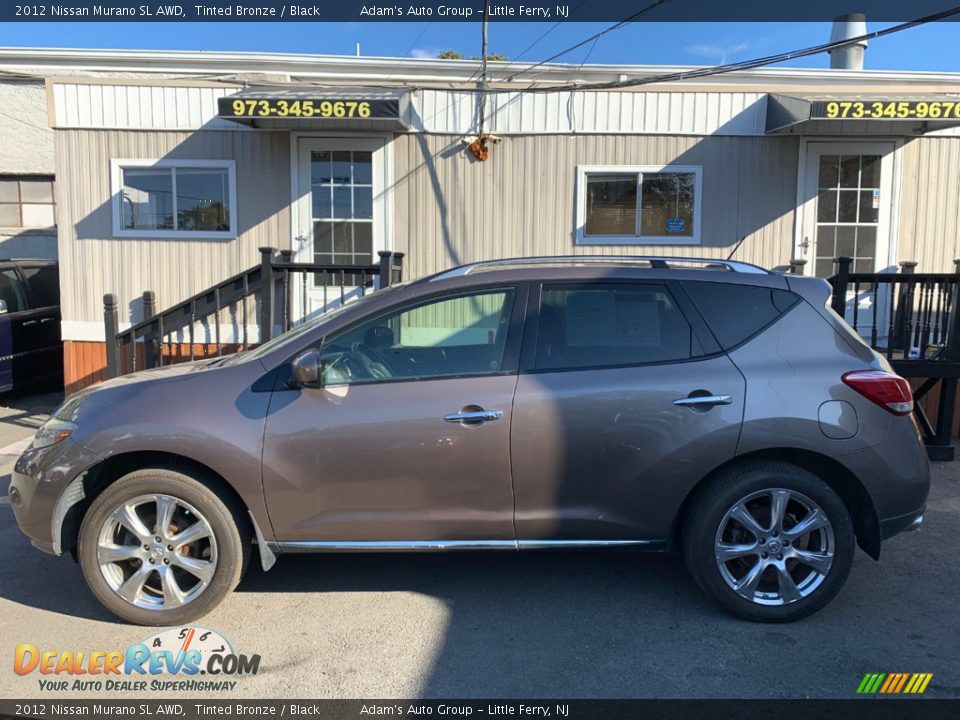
(931, 47)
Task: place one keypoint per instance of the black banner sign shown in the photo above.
(294, 107)
(878, 109)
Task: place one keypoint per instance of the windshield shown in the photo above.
(291, 336)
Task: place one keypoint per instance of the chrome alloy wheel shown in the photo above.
(775, 546)
(157, 552)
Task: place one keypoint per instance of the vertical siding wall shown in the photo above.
(451, 209)
(930, 203)
(94, 262)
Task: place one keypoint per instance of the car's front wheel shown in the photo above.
(769, 541)
(158, 547)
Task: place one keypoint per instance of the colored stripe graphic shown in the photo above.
(894, 683)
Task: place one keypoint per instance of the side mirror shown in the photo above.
(307, 369)
(3, 307)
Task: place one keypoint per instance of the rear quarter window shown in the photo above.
(737, 312)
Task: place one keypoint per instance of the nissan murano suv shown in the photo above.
(660, 404)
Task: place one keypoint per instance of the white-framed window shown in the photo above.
(638, 204)
(174, 198)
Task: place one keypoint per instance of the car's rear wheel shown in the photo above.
(769, 541)
(158, 547)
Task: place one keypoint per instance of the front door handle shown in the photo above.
(703, 400)
(473, 417)
(28, 323)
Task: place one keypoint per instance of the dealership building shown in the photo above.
(167, 171)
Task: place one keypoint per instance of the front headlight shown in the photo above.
(52, 432)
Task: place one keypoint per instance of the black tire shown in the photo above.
(232, 549)
(707, 512)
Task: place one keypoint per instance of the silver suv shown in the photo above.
(649, 403)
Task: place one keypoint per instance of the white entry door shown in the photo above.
(848, 191)
(340, 214)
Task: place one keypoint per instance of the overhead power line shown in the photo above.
(744, 64)
(616, 26)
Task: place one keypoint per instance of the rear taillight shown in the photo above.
(889, 391)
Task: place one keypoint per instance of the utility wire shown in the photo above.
(410, 49)
(616, 26)
(749, 64)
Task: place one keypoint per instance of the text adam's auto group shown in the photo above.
(173, 168)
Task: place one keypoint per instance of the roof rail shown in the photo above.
(656, 262)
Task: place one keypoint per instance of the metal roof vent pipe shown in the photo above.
(848, 57)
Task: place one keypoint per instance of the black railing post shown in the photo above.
(904, 308)
(398, 267)
(150, 341)
(111, 322)
(952, 350)
(286, 322)
(386, 268)
(267, 293)
(796, 266)
(840, 282)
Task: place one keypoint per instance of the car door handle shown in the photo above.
(46, 320)
(703, 400)
(28, 323)
(474, 417)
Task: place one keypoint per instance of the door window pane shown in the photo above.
(827, 206)
(588, 326)
(829, 170)
(870, 171)
(453, 336)
(849, 171)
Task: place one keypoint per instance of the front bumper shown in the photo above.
(44, 485)
(902, 523)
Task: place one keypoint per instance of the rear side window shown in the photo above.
(736, 312)
(44, 285)
(584, 326)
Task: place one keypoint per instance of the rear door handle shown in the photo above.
(474, 417)
(701, 400)
(46, 320)
(28, 323)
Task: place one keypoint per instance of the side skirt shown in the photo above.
(444, 545)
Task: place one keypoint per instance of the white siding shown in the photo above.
(131, 107)
(642, 113)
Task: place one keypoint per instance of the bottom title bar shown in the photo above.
(457, 709)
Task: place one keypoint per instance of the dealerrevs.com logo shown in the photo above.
(189, 659)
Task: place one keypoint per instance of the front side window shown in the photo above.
(446, 337)
(590, 326)
(638, 205)
(170, 199)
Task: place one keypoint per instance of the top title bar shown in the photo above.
(457, 11)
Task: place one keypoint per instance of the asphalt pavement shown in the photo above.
(564, 625)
